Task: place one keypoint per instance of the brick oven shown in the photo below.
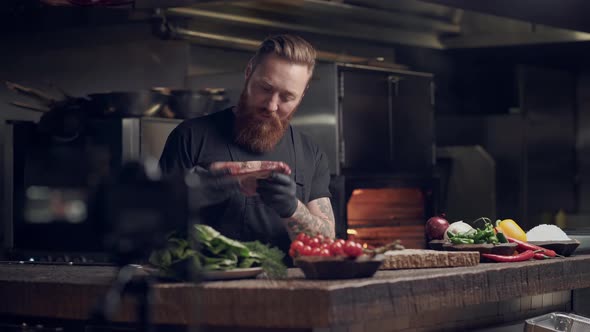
(381, 209)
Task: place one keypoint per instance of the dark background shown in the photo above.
(525, 105)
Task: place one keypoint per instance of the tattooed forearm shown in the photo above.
(315, 218)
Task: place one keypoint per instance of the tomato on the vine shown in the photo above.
(314, 242)
(353, 249)
(302, 237)
(296, 248)
(306, 251)
(319, 245)
(336, 249)
(297, 245)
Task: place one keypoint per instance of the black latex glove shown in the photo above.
(210, 187)
(278, 192)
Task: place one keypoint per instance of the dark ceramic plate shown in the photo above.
(436, 244)
(564, 248)
(338, 267)
(505, 249)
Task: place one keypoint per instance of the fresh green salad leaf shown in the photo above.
(204, 234)
(206, 249)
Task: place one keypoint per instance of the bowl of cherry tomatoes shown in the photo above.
(326, 258)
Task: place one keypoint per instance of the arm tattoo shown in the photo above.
(315, 218)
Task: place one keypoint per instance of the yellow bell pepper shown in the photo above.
(511, 229)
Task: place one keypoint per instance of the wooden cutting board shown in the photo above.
(421, 258)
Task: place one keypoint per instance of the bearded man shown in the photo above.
(258, 129)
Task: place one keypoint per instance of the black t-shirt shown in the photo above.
(201, 141)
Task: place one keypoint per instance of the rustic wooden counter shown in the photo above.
(69, 292)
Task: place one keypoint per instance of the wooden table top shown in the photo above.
(70, 292)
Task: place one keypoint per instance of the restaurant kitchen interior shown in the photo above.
(422, 107)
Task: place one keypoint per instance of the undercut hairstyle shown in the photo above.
(289, 47)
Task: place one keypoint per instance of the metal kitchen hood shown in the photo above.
(506, 22)
(126, 4)
(436, 24)
(144, 4)
(336, 19)
(567, 14)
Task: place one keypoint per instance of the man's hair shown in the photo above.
(289, 47)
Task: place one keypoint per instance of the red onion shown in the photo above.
(436, 227)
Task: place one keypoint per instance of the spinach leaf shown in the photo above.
(206, 249)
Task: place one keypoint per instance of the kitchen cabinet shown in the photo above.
(387, 120)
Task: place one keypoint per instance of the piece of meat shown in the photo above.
(244, 167)
(248, 172)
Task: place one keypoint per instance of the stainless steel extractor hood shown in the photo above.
(436, 24)
(567, 14)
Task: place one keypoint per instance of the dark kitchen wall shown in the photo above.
(82, 52)
(527, 111)
(583, 141)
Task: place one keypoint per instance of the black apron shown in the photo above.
(250, 218)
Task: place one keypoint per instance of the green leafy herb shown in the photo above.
(207, 249)
(476, 235)
(271, 259)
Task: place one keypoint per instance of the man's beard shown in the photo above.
(256, 133)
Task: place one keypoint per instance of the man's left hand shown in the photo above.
(278, 192)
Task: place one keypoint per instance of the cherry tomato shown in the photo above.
(292, 253)
(341, 241)
(352, 249)
(336, 249)
(316, 251)
(320, 237)
(314, 242)
(328, 241)
(306, 251)
(302, 237)
(297, 245)
(325, 252)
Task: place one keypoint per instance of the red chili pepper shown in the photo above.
(522, 246)
(524, 256)
(539, 255)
